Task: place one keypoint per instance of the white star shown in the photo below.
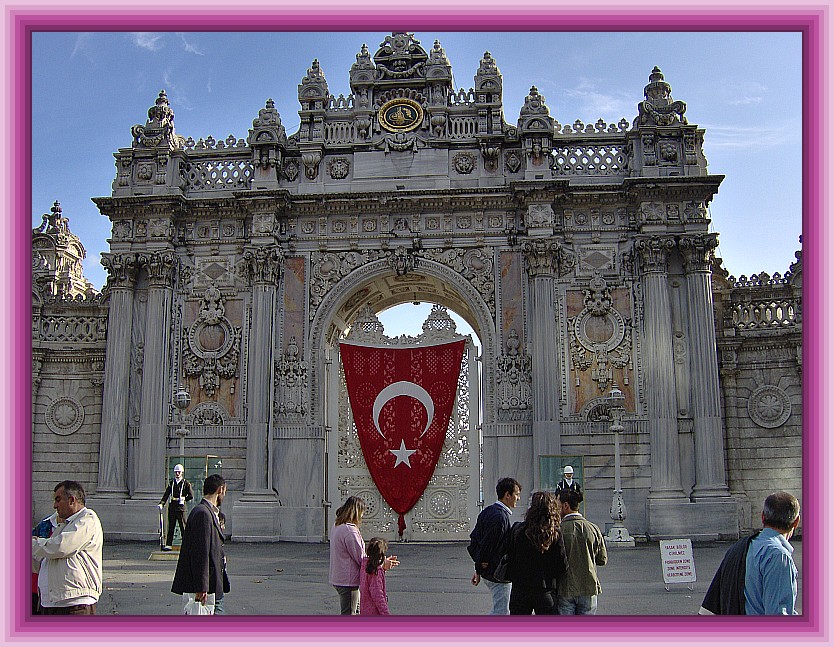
(402, 454)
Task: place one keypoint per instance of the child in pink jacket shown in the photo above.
(373, 601)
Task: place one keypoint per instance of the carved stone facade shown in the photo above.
(579, 253)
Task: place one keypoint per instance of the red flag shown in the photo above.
(402, 398)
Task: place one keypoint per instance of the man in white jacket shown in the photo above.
(69, 562)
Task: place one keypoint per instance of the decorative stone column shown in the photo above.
(112, 462)
(705, 396)
(256, 512)
(659, 368)
(545, 259)
(156, 388)
(264, 265)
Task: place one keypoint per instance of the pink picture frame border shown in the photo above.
(21, 22)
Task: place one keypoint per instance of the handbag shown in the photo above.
(500, 574)
(191, 607)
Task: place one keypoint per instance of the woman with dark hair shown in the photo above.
(536, 558)
(373, 600)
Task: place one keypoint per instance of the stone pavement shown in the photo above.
(433, 579)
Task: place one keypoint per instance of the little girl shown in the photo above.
(373, 600)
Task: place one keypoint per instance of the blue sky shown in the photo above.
(744, 89)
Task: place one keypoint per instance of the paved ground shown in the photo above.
(433, 579)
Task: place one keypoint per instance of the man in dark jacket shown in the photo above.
(201, 564)
(487, 536)
(180, 491)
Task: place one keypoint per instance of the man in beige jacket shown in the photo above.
(69, 562)
(585, 548)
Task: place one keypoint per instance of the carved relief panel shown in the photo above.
(600, 333)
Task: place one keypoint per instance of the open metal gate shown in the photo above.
(450, 503)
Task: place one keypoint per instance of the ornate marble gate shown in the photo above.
(451, 499)
(580, 253)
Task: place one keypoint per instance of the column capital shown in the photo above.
(546, 257)
(160, 267)
(697, 251)
(263, 264)
(654, 253)
(121, 269)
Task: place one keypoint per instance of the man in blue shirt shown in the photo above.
(770, 577)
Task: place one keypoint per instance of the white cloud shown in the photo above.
(747, 93)
(147, 40)
(188, 46)
(82, 45)
(594, 103)
(176, 95)
(751, 136)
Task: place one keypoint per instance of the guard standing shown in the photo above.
(180, 491)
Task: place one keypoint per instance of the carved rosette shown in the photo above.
(547, 257)
(160, 267)
(698, 251)
(290, 384)
(212, 347)
(263, 264)
(654, 253)
(121, 270)
(769, 407)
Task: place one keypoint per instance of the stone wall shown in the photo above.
(760, 358)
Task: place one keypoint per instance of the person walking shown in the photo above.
(536, 558)
(485, 541)
(373, 599)
(180, 491)
(68, 562)
(585, 548)
(201, 565)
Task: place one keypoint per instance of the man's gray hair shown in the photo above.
(73, 489)
(780, 510)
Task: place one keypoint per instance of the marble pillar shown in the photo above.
(710, 480)
(543, 261)
(156, 383)
(112, 465)
(265, 265)
(659, 368)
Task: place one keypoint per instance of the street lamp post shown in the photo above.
(181, 401)
(617, 535)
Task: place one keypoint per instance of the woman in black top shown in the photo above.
(537, 558)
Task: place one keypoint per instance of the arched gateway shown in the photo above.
(580, 254)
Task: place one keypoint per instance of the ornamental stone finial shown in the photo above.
(158, 131)
(658, 108)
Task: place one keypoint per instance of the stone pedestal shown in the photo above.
(256, 519)
(127, 519)
(711, 520)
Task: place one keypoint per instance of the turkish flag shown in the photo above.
(402, 398)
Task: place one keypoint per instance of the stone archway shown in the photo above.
(452, 499)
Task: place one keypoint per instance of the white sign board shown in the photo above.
(678, 561)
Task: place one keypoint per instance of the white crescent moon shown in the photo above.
(403, 388)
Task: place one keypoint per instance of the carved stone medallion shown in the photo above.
(769, 407)
(64, 416)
